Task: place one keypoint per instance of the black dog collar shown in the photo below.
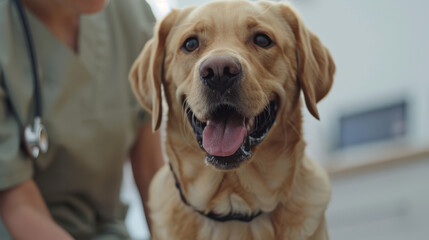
(212, 215)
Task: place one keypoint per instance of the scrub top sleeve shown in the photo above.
(15, 166)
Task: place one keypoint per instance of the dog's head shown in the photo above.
(232, 68)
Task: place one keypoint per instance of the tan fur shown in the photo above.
(292, 191)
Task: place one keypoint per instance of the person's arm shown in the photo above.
(22, 208)
(146, 159)
(25, 214)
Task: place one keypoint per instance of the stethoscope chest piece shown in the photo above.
(36, 138)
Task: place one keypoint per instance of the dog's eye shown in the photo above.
(190, 44)
(262, 40)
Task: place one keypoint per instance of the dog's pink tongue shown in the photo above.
(222, 137)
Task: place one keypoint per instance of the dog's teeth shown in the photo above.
(250, 124)
(252, 121)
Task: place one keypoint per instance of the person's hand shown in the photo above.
(26, 216)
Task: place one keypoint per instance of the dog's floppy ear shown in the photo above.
(146, 73)
(315, 65)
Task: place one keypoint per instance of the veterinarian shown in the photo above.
(68, 118)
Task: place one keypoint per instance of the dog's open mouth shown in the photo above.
(228, 137)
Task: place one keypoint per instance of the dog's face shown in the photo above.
(234, 69)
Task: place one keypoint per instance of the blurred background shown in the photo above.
(373, 137)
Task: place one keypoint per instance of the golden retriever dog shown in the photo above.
(231, 74)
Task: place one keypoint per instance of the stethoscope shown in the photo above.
(35, 137)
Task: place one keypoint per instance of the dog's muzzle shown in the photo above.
(228, 137)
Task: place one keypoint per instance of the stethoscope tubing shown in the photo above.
(35, 137)
(33, 60)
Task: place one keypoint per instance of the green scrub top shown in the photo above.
(88, 108)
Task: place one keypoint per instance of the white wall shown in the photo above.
(380, 49)
(185, 3)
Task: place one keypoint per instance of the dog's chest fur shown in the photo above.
(293, 207)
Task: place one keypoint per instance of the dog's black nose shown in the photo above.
(220, 72)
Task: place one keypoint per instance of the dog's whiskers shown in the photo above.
(265, 10)
(185, 134)
(294, 128)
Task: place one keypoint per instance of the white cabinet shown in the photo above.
(388, 201)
